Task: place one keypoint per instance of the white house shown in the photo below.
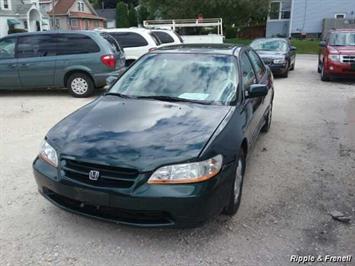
(22, 14)
(294, 17)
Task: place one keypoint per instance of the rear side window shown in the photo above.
(36, 46)
(7, 48)
(113, 43)
(129, 39)
(164, 37)
(75, 44)
(155, 38)
(257, 64)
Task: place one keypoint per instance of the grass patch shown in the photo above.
(303, 46)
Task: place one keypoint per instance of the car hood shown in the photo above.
(270, 54)
(139, 134)
(345, 50)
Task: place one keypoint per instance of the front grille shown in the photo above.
(348, 59)
(147, 218)
(268, 61)
(109, 176)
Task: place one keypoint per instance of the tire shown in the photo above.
(268, 120)
(80, 85)
(323, 75)
(236, 193)
(293, 66)
(285, 74)
(319, 68)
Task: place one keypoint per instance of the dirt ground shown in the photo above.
(298, 172)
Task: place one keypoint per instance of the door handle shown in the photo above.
(12, 65)
(25, 65)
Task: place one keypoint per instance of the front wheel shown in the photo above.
(293, 66)
(287, 69)
(323, 75)
(268, 119)
(236, 193)
(80, 85)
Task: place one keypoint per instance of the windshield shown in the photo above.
(342, 39)
(195, 77)
(269, 45)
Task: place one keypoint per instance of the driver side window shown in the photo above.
(7, 48)
(248, 73)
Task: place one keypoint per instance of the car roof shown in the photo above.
(88, 32)
(273, 38)
(133, 29)
(207, 48)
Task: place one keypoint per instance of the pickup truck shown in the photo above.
(337, 55)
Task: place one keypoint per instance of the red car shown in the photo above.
(337, 55)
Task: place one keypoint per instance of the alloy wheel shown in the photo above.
(79, 86)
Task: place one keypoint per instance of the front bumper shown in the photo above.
(278, 68)
(100, 79)
(143, 205)
(340, 69)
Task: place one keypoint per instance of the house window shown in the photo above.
(80, 6)
(275, 8)
(6, 4)
(340, 15)
(279, 10)
(74, 22)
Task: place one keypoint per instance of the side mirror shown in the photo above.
(110, 81)
(322, 44)
(293, 48)
(257, 90)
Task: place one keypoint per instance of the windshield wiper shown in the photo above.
(125, 96)
(174, 99)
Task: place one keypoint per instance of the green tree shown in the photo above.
(122, 15)
(142, 13)
(238, 12)
(132, 16)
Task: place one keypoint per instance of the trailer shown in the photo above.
(178, 25)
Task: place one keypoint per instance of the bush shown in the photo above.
(230, 32)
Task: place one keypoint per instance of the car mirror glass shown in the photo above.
(257, 90)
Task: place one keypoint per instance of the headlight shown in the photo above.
(334, 57)
(279, 61)
(48, 154)
(188, 172)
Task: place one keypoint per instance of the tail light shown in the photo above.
(151, 49)
(109, 61)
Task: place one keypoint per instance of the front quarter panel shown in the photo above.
(228, 137)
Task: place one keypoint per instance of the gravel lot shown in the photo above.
(298, 172)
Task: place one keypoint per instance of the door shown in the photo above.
(9, 78)
(251, 105)
(262, 78)
(36, 60)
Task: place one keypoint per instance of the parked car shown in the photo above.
(134, 41)
(158, 149)
(168, 37)
(80, 61)
(337, 54)
(277, 53)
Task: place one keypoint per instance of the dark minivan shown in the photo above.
(80, 61)
(167, 145)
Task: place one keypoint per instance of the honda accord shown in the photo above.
(167, 144)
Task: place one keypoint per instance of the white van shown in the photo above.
(134, 41)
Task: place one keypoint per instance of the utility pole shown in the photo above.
(53, 16)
